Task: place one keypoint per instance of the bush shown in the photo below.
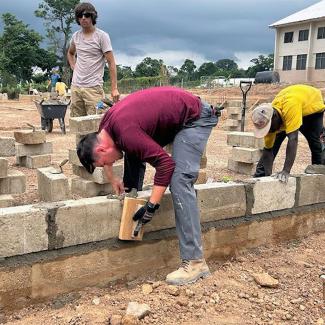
(12, 91)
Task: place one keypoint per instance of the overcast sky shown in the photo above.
(175, 30)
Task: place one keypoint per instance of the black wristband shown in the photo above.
(151, 207)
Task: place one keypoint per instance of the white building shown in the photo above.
(299, 53)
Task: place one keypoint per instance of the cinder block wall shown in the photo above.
(47, 249)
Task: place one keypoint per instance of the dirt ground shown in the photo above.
(230, 295)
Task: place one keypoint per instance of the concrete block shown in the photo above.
(85, 124)
(242, 167)
(269, 194)
(30, 137)
(234, 103)
(52, 187)
(33, 149)
(310, 189)
(244, 139)
(219, 200)
(6, 201)
(23, 230)
(7, 147)
(98, 176)
(86, 188)
(247, 155)
(231, 123)
(231, 110)
(38, 161)
(14, 183)
(73, 158)
(202, 177)
(88, 220)
(3, 167)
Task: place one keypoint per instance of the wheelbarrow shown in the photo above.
(50, 110)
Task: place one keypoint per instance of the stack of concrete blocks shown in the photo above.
(32, 150)
(234, 112)
(202, 177)
(246, 152)
(85, 184)
(11, 182)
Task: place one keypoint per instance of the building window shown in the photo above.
(288, 37)
(287, 62)
(301, 62)
(321, 33)
(320, 61)
(303, 35)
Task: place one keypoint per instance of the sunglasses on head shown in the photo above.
(86, 14)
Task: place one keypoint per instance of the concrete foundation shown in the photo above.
(51, 186)
(7, 147)
(30, 137)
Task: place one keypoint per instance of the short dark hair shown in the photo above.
(85, 7)
(85, 151)
(59, 79)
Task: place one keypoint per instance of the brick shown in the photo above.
(86, 188)
(3, 167)
(73, 158)
(219, 200)
(244, 139)
(38, 161)
(52, 187)
(311, 189)
(7, 147)
(6, 201)
(98, 176)
(30, 137)
(269, 194)
(14, 183)
(23, 230)
(33, 149)
(247, 155)
(85, 124)
(242, 167)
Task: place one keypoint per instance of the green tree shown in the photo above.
(124, 72)
(58, 18)
(207, 69)
(187, 70)
(148, 68)
(20, 49)
(226, 65)
(261, 63)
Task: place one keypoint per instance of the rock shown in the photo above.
(115, 320)
(147, 289)
(215, 297)
(156, 284)
(320, 321)
(173, 290)
(189, 293)
(265, 280)
(302, 307)
(288, 316)
(137, 310)
(130, 320)
(96, 301)
(182, 301)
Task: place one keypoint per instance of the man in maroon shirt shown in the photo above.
(140, 126)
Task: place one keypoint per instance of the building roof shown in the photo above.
(314, 12)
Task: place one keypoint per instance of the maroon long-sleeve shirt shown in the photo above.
(145, 121)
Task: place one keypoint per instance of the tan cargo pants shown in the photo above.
(84, 100)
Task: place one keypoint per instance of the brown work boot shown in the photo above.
(189, 272)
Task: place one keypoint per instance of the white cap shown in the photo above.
(262, 119)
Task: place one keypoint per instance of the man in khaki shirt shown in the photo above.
(93, 48)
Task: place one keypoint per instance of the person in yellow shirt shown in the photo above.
(60, 88)
(295, 108)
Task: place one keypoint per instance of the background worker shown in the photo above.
(140, 125)
(93, 48)
(295, 108)
(60, 88)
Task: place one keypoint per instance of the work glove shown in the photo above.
(282, 176)
(145, 213)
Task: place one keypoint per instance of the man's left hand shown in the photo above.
(115, 95)
(282, 176)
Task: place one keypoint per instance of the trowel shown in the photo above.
(60, 171)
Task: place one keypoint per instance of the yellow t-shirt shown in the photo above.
(60, 88)
(293, 103)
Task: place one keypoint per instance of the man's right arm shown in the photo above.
(116, 182)
(71, 55)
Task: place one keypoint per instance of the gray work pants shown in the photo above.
(188, 147)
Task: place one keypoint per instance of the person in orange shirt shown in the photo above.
(295, 108)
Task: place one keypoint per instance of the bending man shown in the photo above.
(140, 126)
(295, 108)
